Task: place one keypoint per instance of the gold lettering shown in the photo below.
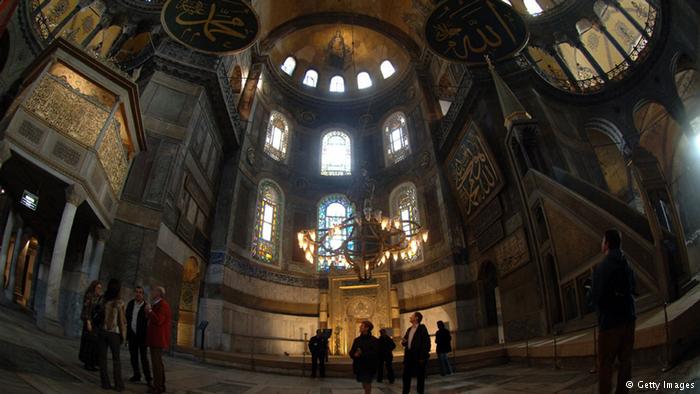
(211, 26)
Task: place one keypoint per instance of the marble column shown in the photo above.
(9, 226)
(75, 195)
(96, 263)
(10, 288)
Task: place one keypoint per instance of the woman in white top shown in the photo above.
(112, 334)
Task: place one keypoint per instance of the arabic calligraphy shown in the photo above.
(473, 173)
(211, 26)
(468, 31)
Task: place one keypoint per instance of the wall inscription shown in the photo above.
(512, 252)
(473, 173)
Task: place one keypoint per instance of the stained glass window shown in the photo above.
(277, 136)
(396, 138)
(337, 84)
(404, 204)
(387, 69)
(289, 65)
(332, 211)
(336, 154)
(310, 78)
(364, 81)
(266, 239)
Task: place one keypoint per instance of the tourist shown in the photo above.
(318, 346)
(417, 351)
(612, 294)
(158, 336)
(364, 356)
(386, 356)
(136, 326)
(443, 348)
(91, 315)
(112, 334)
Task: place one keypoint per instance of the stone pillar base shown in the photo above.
(50, 326)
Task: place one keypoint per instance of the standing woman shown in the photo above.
(364, 355)
(443, 341)
(112, 334)
(91, 317)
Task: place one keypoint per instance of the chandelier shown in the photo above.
(364, 241)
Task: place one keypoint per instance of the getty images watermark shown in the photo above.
(661, 385)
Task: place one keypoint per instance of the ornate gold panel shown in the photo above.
(113, 158)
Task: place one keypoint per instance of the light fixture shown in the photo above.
(371, 241)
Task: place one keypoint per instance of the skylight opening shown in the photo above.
(364, 81)
(310, 78)
(337, 84)
(387, 69)
(533, 7)
(289, 65)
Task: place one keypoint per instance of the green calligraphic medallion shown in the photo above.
(219, 27)
(466, 31)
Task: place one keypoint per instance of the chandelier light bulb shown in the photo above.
(425, 236)
(313, 235)
(395, 256)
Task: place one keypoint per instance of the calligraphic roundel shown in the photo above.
(219, 27)
(466, 31)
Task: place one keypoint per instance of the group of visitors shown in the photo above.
(108, 324)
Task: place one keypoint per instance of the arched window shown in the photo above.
(310, 78)
(277, 136)
(337, 84)
(363, 80)
(268, 222)
(387, 69)
(533, 7)
(404, 204)
(396, 138)
(333, 210)
(289, 65)
(336, 154)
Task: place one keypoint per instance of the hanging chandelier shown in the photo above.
(364, 241)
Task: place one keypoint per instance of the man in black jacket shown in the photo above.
(136, 325)
(417, 351)
(386, 356)
(318, 346)
(612, 295)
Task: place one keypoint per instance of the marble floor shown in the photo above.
(34, 362)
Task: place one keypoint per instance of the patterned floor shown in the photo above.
(33, 362)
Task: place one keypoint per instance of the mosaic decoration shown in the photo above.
(396, 138)
(267, 223)
(473, 173)
(219, 27)
(468, 31)
(333, 210)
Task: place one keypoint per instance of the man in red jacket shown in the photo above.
(158, 336)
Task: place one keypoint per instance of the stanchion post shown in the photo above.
(252, 351)
(595, 351)
(303, 356)
(667, 349)
(556, 362)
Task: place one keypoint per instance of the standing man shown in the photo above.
(158, 336)
(136, 326)
(386, 356)
(318, 346)
(612, 294)
(417, 351)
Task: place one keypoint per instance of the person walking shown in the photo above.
(158, 336)
(443, 348)
(386, 356)
(136, 326)
(112, 334)
(318, 346)
(612, 294)
(91, 315)
(364, 353)
(416, 343)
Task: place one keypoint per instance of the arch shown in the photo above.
(488, 276)
(310, 78)
(277, 136)
(364, 81)
(187, 307)
(290, 63)
(337, 84)
(387, 69)
(611, 162)
(395, 132)
(659, 133)
(332, 210)
(336, 153)
(267, 236)
(403, 203)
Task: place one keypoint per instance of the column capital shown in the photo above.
(75, 194)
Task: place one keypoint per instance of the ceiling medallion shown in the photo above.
(467, 32)
(218, 27)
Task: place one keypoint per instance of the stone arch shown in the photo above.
(488, 276)
(189, 297)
